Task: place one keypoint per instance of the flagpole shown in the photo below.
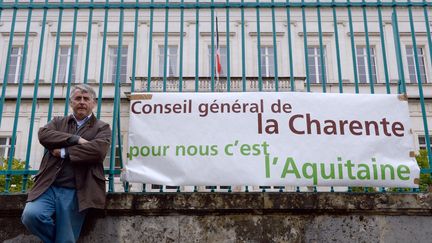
(217, 50)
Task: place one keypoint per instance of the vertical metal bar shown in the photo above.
(54, 73)
(353, 48)
(305, 46)
(197, 48)
(258, 23)
(103, 57)
(119, 138)
(150, 49)
(18, 102)
(9, 51)
(116, 101)
(335, 29)
(428, 31)
(323, 68)
(383, 48)
(134, 56)
(165, 47)
(228, 54)
(276, 75)
(365, 21)
(212, 56)
(89, 33)
(181, 47)
(395, 25)
(243, 47)
(290, 49)
(71, 60)
(427, 24)
(420, 84)
(35, 93)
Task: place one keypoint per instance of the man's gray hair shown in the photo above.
(84, 88)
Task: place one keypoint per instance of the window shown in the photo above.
(315, 68)
(117, 164)
(422, 141)
(5, 144)
(64, 63)
(112, 68)
(171, 61)
(223, 59)
(267, 61)
(15, 64)
(363, 66)
(412, 66)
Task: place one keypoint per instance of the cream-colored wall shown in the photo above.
(205, 39)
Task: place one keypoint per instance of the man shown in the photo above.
(71, 177)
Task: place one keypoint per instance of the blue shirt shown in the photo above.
(79, 124)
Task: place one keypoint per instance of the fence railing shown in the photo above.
(170, 46)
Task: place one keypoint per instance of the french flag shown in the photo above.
(218, 61)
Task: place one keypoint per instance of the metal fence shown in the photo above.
(311, 46)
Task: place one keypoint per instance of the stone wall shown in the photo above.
(239, 217)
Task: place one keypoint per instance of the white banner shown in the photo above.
(270, 139)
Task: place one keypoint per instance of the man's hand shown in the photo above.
(56, 153)
(82, 141)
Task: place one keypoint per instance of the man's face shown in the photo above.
(82, 104)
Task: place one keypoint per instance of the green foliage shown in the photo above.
(425, 182)
(16, 180)
(425, 179)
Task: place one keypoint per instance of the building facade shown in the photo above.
(170, 46)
